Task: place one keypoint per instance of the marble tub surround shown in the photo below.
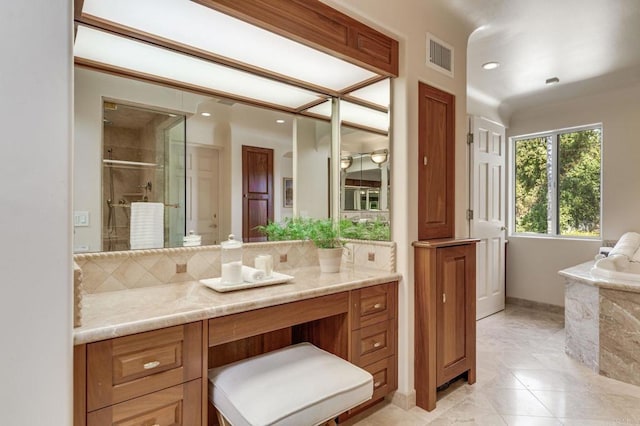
(620, 335)
(581, 308)
(77, 295)
(120, 313)
(582, 273)
(602, 320)
(113, 271)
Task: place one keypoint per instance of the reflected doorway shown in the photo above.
(203, 185)
(257, 190)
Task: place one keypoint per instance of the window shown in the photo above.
(557, 182)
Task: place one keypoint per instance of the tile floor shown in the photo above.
(523, 378)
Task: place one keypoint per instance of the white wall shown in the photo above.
(35, 219)
(532, 263)
(312, 149)
(409, 23)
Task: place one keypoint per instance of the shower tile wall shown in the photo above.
(128, 181)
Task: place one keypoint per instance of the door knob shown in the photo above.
(502, 228)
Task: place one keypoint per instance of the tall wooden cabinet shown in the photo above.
(445, 315)
(436, 167)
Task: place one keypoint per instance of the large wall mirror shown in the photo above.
(174, 149)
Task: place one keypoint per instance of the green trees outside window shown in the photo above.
(557, 183)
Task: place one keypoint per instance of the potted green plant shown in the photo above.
(326, 237)
(324, 234)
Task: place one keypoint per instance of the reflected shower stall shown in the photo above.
(143, 161)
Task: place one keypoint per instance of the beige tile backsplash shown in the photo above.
(111, 271)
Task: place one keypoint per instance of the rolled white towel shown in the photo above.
(251, 275)
(627, 245)
(636, 256)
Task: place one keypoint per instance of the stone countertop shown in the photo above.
(124, 312)
(582, 273)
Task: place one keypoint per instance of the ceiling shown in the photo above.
(589, 45)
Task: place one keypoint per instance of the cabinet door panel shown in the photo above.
(436, 168)
(455, 310)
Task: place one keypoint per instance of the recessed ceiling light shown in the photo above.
(490, 65)
(205, 114)
(552, 80)
(280, 121)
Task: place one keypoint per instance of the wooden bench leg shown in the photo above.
(221, 420)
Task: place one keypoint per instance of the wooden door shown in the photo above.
(488, 205)
(203, 172)
(436, 155)
(257, 189)
(455, 311)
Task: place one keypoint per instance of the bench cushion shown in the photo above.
(297, 385)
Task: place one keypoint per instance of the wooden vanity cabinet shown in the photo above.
(143, 379)
(159, 377)
(445, 312)
(374, 341)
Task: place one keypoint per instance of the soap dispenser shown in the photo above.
(231, 259)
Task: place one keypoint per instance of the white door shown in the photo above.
(202, 192)
(488, 199)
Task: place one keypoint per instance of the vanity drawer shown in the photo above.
(385, 381)
(372, 305)
(385, 376)
(177, 405)
(373, 343)
(127, 367)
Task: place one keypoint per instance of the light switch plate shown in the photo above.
(80, 218)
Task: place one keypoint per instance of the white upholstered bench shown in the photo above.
(299, 385)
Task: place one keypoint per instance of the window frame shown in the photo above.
(552, 193)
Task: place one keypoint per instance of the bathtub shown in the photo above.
(616, 268)
(602, 316)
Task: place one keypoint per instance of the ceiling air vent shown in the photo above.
(439, 55)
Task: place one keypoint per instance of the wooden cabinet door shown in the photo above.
(455, 311)
(436, 154)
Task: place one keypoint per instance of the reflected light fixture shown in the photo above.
(379, 157)
(280, 121)
(205, 114)
(491, 65)
(345, 162)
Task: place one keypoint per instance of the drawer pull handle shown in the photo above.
(150, 365)
(377, 384)
(377, 344)
(377, 306)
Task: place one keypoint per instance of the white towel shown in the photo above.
(626, 246)
(251, 275)
(147, 225)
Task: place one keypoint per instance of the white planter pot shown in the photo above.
(330, 259)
